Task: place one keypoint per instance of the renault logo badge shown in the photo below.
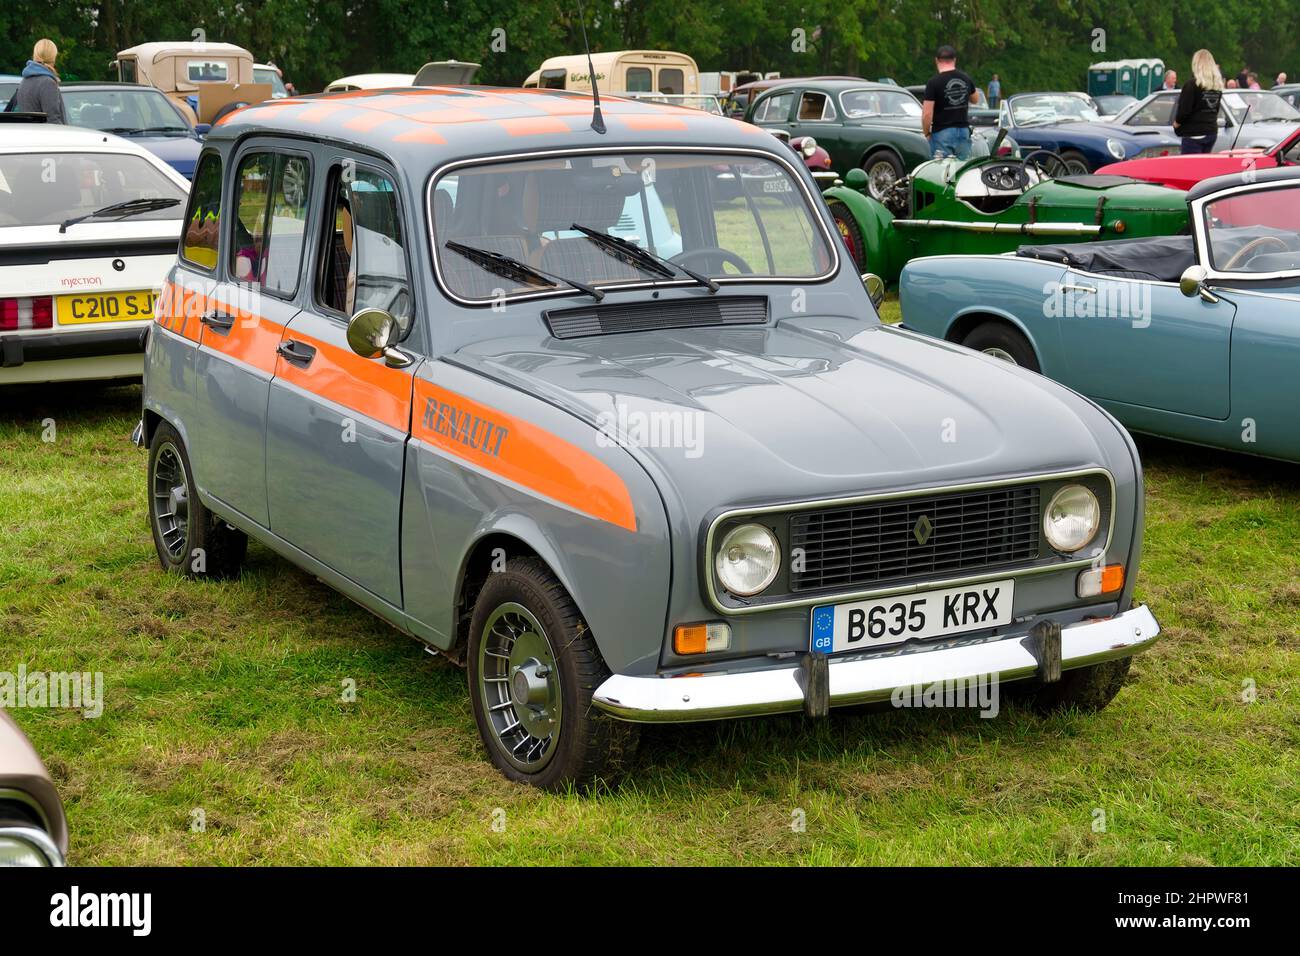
(922, 529)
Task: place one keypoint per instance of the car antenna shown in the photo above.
(1245, 118)
(597, 121)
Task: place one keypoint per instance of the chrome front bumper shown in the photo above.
(861, 681)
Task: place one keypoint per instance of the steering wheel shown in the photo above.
(1005, 176)
(1052, 170)
(711, 255)
(1250, 247)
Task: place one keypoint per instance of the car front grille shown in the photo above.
(867, 545)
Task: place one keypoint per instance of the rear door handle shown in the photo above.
(1079, 288)
(296, 353)
(218, 321)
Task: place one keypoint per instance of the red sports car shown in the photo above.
(1184, 172)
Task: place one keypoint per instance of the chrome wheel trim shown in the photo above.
(519, 687)
(1001, 354)
(170, 494)
(881, 177)
(1075, 167)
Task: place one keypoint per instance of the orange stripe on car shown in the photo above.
(519, 451)
(533, 125)
(365, 386)
(251, 340)
(651, 121)
(419, 134)
(451, 114)
(365, 122)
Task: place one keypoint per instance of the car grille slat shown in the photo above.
(875, 543)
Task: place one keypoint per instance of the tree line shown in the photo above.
(1031, 44)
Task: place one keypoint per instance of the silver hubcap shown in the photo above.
(880, 178)
(171, 500)
(520, 687)
(1002, 354)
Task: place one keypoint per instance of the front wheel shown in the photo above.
(1001, 341)
(189, 538)
(533, 667)
(1086, 689)
(883, 170)
(847, 226)
(1075, 163)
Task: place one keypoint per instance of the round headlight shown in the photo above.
(1072, 518)
(747, 560)
(808, 146)
(1115, 148)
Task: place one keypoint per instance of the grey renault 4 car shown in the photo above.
(552, 394)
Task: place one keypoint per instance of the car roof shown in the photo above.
(183, 46)
(109, 85)
(1249, 177)
(35, 136)
(432, 125)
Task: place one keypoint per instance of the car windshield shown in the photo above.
(38, 189)
(1265, 107)
(1039, 109)
(861, 104)
(264, 74)
(123, 111)
(1254, 232)
(714, 213)
(1157, 111)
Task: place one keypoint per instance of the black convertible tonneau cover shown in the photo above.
(1163, 259)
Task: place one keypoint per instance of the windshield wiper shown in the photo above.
(132, 207)
(498, 263)
(642, 259)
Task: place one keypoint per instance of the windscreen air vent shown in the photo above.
(599, 319)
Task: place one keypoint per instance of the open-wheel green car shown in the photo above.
(994, 204)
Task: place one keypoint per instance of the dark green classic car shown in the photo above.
(872, 126)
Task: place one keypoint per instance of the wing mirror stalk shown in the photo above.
(372, 334)
(1193, 283)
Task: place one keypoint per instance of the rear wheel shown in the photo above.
(533, 667)
(1003, 342)
(850, 232)
(1088, 689)
(189, 538)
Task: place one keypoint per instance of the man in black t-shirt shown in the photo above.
(948, 96)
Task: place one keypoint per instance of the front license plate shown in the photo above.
(106, 307)
(863, 625)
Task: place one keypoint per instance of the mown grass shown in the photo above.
(226, 698)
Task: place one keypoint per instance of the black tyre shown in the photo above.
(1087, 689)
(190, 539)
(533, 667)
(226, 111)
(883, 169)
(1003, 342)
(850, 232)
(1076, 164)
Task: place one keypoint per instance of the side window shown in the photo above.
(672, 80)
(774, 109)
(364, 262)
(815, 106)
(552, 79)
(271, 191)
(638, 80)
(203, 223)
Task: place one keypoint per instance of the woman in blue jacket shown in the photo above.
(39, 90)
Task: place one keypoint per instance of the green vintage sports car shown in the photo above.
(994, 204)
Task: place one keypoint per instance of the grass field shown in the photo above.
(225, 698)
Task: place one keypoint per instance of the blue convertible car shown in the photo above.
(1067, 125)
(1194, 337)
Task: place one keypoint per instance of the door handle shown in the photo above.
(218, 321)
(296, 353)
(1079, 288)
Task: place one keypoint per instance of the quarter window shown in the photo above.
(270, 225)
(203, 224)
(774, 109)
(816, 106)
(552, 80)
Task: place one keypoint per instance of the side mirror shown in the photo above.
(371, 334)
(875, 288)
(856, 178)
(1192, 283)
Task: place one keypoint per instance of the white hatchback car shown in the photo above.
(89, 226)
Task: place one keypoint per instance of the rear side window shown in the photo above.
(364, 261)
(552, 79)
(774, 109)
(203, 223)
(672, 81)
(270, 223)
(638, 80)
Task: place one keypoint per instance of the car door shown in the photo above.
(242, 323)
(813, 114)
(338, 422)
(1144, 343)
(773, 110)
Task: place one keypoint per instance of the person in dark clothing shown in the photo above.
(1196, 117)
(39, 90)
(948, 95)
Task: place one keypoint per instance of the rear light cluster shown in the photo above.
(26, 313)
